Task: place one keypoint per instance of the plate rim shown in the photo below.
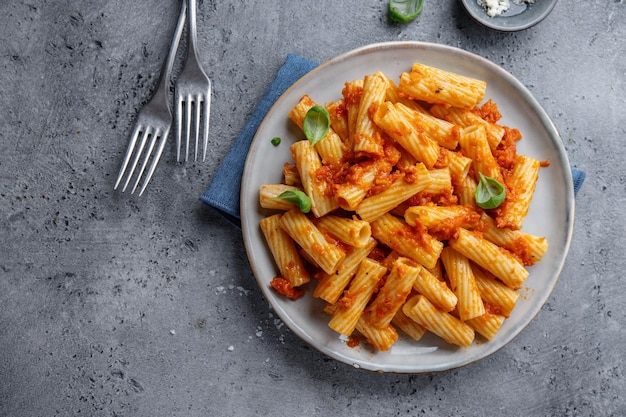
(555, 138)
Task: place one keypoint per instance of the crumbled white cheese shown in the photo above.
(497, 7)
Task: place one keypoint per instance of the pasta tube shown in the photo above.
(437, 291)
(350, 194)
(437, 218)
(440, 181)
(325, 254)
(465, 118)
(399, 127)
(466, 192)
(462, 281)
(473, 141)
(491, 257)
(435, 85)
(350, 307)
(352, 93)
(408, 326)
(500, 298)
(441, 131)
(458, 164)
(284, 251)
(444, 325)
(331, 149)
(521, 185)
(268, 194)
(353, 232)
(291, 176)
(318, 190)
(367, 136)
(406, 240)
(338, 118)
(330, 286)
(381, 338)
(400, 190)
(487, 325)
(393, 293)
(528, 248)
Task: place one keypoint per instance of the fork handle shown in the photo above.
(192, 26)
(166, 72)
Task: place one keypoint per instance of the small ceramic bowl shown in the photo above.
(519, 16)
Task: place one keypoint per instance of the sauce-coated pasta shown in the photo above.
(395, 243)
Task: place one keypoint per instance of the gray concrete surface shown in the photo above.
(112, 305)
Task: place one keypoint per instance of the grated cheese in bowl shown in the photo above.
(497, 7)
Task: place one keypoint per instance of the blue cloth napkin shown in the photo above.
(223, 191)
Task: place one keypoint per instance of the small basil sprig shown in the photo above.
(489, 192)
(404, 11)
(296, 197)
(316, 124)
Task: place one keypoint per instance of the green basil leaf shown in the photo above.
(298, 198)
(489, 193)
(316, 124)
(404, 11)
(275, 141)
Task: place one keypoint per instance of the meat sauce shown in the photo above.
(284, 287)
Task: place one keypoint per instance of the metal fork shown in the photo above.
(153, 123)
(193, 95)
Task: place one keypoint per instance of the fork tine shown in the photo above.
(189, 105)
(205, 132)
(129, 153)
(153, 138)
(179, 126)
(133, 166)
(198, 103)
(155, 160)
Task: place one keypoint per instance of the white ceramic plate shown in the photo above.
(551, 213)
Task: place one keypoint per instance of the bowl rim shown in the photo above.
(488, 22)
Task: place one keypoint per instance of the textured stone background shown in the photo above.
(112, 305)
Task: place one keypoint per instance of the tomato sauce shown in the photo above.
(492, 309)
(353, 341)
(506, 151)
(284, 287)
(418, 234)
(352, 94)
(448, 229)
(489, 112)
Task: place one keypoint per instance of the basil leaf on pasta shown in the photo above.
(316, 124)
(298, 198)
(489, 193)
